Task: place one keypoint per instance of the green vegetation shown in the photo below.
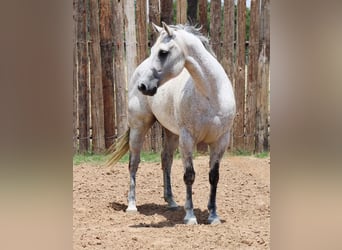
(263, 154)
(101, 159)
(241, 152)
(144, 157)
(89, 158)
(149, 157)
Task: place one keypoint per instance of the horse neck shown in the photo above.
(207, 73)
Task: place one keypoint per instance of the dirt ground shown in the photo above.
(243, 204)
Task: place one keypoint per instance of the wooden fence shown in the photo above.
(112, 37)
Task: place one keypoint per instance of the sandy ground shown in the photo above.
(243, 203)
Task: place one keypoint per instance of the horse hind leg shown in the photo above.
(217, 150)
(169, 146)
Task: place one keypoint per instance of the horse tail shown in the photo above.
(118, 149)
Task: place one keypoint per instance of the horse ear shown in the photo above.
(156, 28)
(167, 29)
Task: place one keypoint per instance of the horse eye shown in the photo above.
(163, 53)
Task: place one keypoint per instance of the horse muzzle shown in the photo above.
(146, 90)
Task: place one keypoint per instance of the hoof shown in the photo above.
(131, 210)
(214, 220)
(190, 221)
(172, 206)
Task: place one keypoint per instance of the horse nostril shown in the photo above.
(154, 90)
(147, 90)
(142, 87)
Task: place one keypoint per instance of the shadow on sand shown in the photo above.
(173, 217)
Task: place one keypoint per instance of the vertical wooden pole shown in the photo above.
(203, 15)
(181, 11)
(83, 102)
(228, 39)
(154, 17)
(166, 11)
(262, 102)
(240, 78)
(262, 143)
(267, 78)
(141, 30)
(131, 39)
(264, 34)
(106, 36)
(252, 77)
(97, 113)
(119, 68)
(74, 81)
(215, 27)
(192, 11)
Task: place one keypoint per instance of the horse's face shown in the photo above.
(165, 62)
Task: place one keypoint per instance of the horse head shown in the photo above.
(165, 62)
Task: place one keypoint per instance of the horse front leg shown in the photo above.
(134, 160)
(186, 147)
(135, 143)
(217, 150)
(170, 144)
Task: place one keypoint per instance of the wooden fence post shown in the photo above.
(262, 103)
(192, 11)
(141, 30)
(252, 77)
(240, 78)
(74, 82)
(215, 27)
(262, 143)
(82, 76)
(97, 113)
(166, 9)
(203, 15)
(154, 17)
(228, 39)
(119, 68)
(131, 39)
(106, 42)
(181, 11)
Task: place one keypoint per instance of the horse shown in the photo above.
(183, 86)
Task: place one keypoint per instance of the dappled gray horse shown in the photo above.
(184, 87)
